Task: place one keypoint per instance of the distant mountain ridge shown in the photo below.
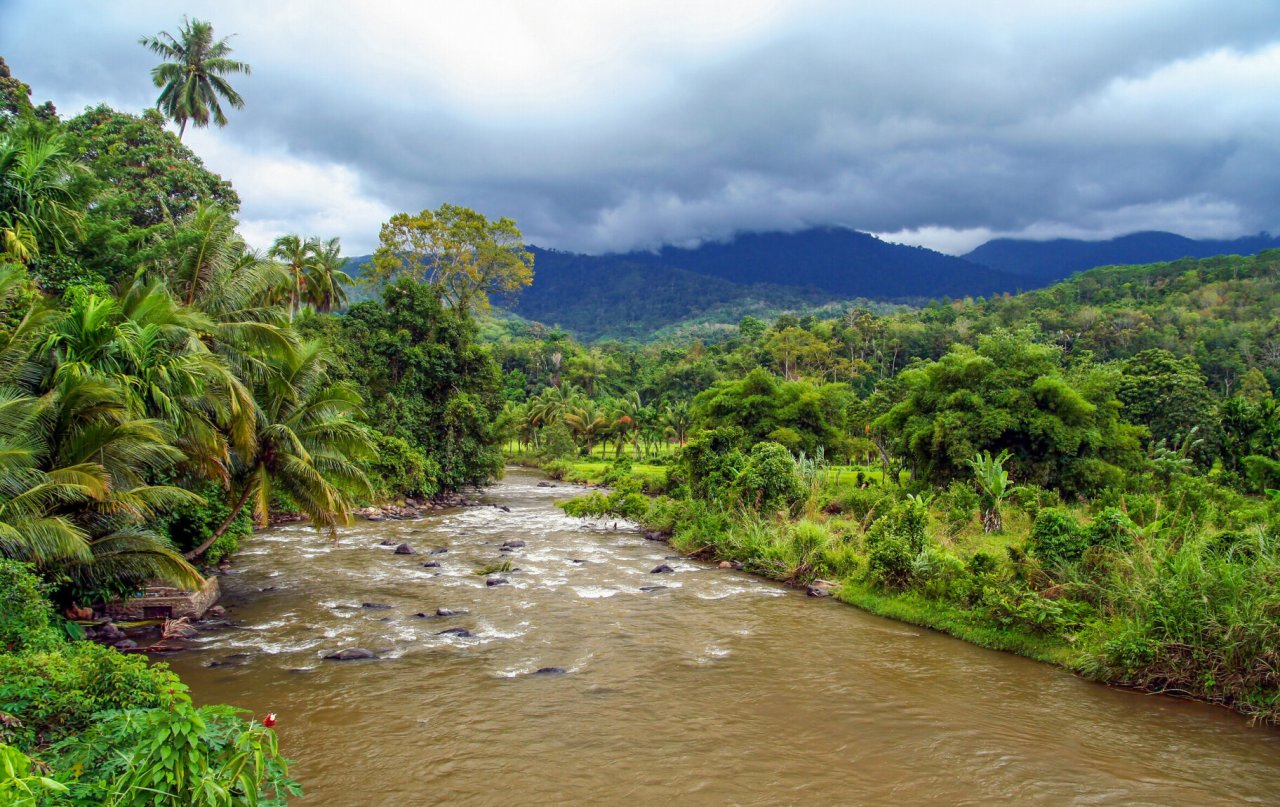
(1044, 262)
(634, 294)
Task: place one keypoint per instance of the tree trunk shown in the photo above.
(991, 520)
(235, 511)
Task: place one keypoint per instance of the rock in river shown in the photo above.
(517, 544)
(351, 654)
(653, 588)
(550, 671)
(497, 581)
(405, 549)
(387, 542)
(431, 564)
(461, 633)
(449, 612)
(439, 551)
(375, 605)
(662, 569)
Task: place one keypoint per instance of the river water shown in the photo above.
(718, 689)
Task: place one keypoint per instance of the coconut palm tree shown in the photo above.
(588, 422)
(678, 420)
(190, 78)
(43, 191)
(308, 444)
(299, 257)
(325, 279)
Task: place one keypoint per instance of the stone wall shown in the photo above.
(164, 602)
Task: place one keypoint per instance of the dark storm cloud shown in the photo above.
(604, 129)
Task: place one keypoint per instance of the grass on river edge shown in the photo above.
(911, 607)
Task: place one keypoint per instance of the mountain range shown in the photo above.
(632, 295)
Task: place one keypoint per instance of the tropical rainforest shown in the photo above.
(1086, 474)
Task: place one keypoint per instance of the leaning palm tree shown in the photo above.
(192, 87)
(309, 445)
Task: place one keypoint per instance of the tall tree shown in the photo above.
(459, 251)
(190, 78)
(326, 282)
(299, 255)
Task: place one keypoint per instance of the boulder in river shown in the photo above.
(439, 551)
(515, 544)
(661, 569)
(431, 564)
(652, 588)
(449, 612)
(461, 633)
(405, 549)
(387, 542)
(817, 591)
(503, 508)
(497, 581)
(550, 671)
(653, 536)
(545, 484)
(377, 606)
(350, 654)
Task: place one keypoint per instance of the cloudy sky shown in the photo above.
(603, 126)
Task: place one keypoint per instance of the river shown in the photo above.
(720, 688)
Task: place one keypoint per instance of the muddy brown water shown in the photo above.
(720, 688)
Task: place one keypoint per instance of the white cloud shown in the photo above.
(283, 193)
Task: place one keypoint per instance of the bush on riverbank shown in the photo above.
(114, 728)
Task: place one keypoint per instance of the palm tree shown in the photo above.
(325, 278)
(299, 256)
(308, 444)
(42, 192)
(677, 419)
(588, 422)
(632, 416)
(190, 79)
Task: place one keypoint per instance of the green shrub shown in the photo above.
(617, 471)
(26, 617)
(557, 469)
(894, 541)
(400, 469)
(939, 574)
(960, 504)
(863, 502)
(20, 786)
(1111, 528)
(557, 442)
(768, 480)
(180, 756)
(1056, 537)
(56, 693)
(1012, 606)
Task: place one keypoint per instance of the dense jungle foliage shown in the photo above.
(162, 388)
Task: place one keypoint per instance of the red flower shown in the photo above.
(269, 720)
